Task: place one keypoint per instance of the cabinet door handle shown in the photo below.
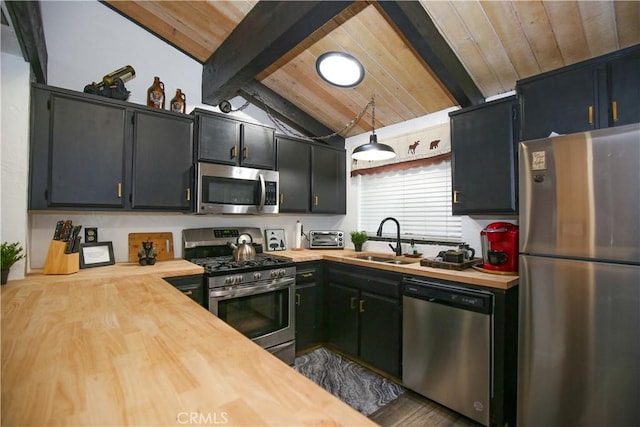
(234, 151)
(590, 114)
(455, 196)
(281, 198)
(353, 302)
(307, 275)
(315, 200)
(297, 299)
(188, 194)
(188, 293)
(119, 190)
(245, 152)
(614, 111)
(361, 306)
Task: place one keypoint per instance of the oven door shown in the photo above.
(263, 312)
(230, 189)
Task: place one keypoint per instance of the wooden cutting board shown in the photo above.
(163, 242)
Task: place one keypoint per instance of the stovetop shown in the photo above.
(226, 264)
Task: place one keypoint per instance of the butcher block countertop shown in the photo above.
(117, 345)
(347, 256)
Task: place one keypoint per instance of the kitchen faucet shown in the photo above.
(398, 248)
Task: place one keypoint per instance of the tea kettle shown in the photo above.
(243, 251)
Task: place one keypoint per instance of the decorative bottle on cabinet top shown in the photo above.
(155, 94)
(179, 102)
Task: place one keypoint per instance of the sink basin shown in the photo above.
(386, 260)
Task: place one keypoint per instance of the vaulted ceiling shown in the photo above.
(419, 56)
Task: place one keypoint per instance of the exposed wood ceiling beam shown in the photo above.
(414, 23)
(258, 94)
(27, 24)
(269, 31)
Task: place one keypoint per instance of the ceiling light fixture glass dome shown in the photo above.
(340, 69)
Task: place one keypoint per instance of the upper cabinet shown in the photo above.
(89, 152)
(598, 93)
(484, 158)
(228, 141)
(312, 177)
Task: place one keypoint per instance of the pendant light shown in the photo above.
(373, 150)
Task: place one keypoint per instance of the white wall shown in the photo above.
(14, 153)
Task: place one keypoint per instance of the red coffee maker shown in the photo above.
(500, 247)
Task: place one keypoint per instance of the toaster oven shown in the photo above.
(326, 239)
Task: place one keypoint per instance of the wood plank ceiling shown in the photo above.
(495, 44)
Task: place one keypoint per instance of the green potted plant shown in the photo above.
(10, 254)
(358, 238)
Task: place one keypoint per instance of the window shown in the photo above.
(419, 198)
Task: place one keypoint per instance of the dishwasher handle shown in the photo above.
(458, 297)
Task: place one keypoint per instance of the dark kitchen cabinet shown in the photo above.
(294, 167)
(312, 177)
(484, 155)
(85, 149)
(90, 152)
(162, 176)
(364, 315)
(308, 301)
(328, 180)
(228, 141)
(192, 286)
(598, 93)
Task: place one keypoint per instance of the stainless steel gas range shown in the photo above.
(256, 297)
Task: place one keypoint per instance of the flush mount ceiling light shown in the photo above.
(373, 150)
(340, 69)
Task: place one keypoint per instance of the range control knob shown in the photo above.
(257, 275)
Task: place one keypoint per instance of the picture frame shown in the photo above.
(96, 254)
(274, 239)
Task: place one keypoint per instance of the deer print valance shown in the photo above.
(419, 148)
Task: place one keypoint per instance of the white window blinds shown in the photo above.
(419, 198)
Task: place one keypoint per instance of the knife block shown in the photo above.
(60, 263)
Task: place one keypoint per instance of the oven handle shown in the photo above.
(252, 290)
(263, 192)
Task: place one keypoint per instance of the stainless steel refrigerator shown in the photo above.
(579, 298)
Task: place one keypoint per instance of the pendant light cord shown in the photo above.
(282, 127)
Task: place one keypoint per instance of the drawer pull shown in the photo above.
(188, 293)
(307, 275)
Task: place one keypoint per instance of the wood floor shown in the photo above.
(411, 409)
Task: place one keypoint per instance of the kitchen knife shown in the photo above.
(66, 231)
(76, 245)
(72, 238)
(57, 233)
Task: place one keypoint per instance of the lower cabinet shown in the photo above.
(308, 299)
(364, 315)
(192, 286)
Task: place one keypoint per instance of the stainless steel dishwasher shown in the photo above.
(447, 345)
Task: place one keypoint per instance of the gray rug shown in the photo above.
(355, 385)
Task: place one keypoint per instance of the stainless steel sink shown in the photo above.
(384, 259)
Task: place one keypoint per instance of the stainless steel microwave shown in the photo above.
(328, 239)
(223, 189)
